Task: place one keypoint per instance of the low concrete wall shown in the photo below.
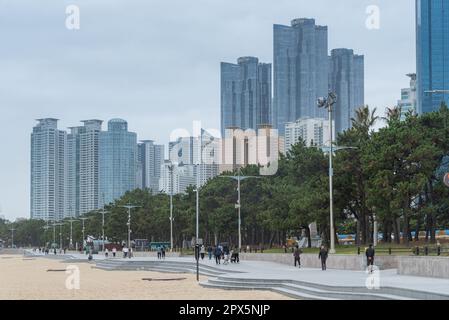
(436, 267)
(154, 254)
(340, 262)
(11, 251)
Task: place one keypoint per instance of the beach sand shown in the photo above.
(28, 279)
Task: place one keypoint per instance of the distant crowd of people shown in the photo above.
(220, 253)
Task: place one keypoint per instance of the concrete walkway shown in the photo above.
(261, 271)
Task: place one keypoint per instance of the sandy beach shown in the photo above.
(28, 279)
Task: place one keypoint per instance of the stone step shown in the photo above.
(287, 292)
(305, 289)
(157, 267)
(400, 293)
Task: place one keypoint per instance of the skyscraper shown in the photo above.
(346, 79)
(89, 180)
(117, 161)
(245, 94)
(300, 71)
(432, 48)
(151, 158)
(48, 170)
(82, 168)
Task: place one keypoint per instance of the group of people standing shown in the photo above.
(220, 252)
(324, 254)
(161, 252)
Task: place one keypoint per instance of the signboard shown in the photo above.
(446, 179)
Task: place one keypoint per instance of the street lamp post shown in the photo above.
(12, 237)
(328, 103)
(60, 234)
(129, 207)
(45, 233)
(239, 178)
(198, 182)
(103, 212)
(83, 230)
(71, 232)
(170, 168)
(54, 233)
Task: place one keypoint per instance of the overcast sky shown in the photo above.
(156, 63)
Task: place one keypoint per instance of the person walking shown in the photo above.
(323, 256)
(297, 255)
(106, 252)
(125, 252)
(163, 252)
(209, 252)
(370, 252)
(202, 252)
(217, 254)
(159, 253)
(114, 252)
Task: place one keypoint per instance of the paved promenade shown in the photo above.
(262, 271)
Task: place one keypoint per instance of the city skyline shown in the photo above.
(147, 104)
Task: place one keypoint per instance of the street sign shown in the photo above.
(446, 179)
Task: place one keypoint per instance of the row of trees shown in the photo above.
(393, 175)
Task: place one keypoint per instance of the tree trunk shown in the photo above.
(362, 226)
(418, 226)
(357, 235)
(396, 228)
(309, 238)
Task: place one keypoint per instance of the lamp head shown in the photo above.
(321, 102)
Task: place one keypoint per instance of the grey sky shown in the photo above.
(156, 63)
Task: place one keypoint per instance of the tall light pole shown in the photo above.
(328, 103)
(83, 230)
(129, 207)
(103, 212)
(239, 178)
(12, 237)
(170, 168)
(54, 233)
(45, 232)
(71, 231)
(60, 234)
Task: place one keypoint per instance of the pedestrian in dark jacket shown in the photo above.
(370, 252)
(297, 256)
(217, 254)
(323, 256)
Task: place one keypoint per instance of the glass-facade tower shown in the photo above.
(300, 71)
(432, 45)
(245, 94)
(118, 161)
(346, 79)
